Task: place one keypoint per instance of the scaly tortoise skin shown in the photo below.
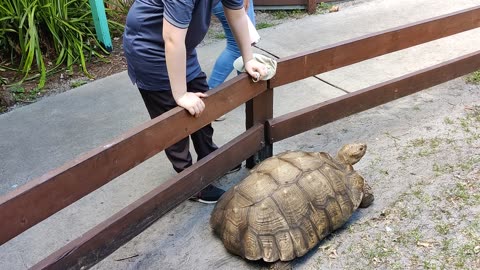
(289, 202)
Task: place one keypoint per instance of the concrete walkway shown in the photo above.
(42, 136)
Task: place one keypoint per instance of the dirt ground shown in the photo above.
(424, 166)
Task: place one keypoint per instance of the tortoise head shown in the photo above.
(351, 153)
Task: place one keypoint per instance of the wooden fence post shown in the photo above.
(311, 6)
(259, 110)
(101, 24)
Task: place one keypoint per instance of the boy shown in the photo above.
(159, 44)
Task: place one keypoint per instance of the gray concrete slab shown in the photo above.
(396, 64)
(42, 136)
(294, 37)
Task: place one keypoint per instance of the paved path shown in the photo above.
(42, 136)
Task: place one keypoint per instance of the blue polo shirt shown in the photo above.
(143, 43)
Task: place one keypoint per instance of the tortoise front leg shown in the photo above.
(368, 197)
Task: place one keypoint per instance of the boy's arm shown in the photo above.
(175, 56)
(237, 19)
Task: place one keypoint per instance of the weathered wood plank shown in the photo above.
(317, 115)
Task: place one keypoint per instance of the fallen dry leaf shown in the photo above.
(333, 254)
(334, 9)
(424, 244)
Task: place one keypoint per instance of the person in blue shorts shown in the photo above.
(159, 42)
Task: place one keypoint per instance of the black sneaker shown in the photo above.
(210, 194)
(236, 169)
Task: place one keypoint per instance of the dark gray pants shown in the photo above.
(159, 102)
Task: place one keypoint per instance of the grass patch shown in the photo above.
(379, 252)
(284, 14)
(418, 142)
(20, 94)
(78, 83)
(426, 147)
(443, 228)
(442, 169)
(280, 14)
(448, 121)
(469, 163)
(219, 36)
(262, 25)
(473, 78)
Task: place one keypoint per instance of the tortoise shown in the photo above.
(289, 202)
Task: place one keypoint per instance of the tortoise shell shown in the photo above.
(287, 204)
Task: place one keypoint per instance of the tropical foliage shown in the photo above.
(38, 37)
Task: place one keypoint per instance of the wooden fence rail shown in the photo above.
(314, 116)
(48, 194)
(359, 49)
(44, 196)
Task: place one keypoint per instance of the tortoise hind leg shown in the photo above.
(368, 197)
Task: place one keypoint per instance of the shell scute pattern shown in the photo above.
(280, 170)
(257, 187)
(265, 217)
(253, 250)
(289, 203)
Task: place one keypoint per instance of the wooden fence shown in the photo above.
(46, 195)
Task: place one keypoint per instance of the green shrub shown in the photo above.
(60, 33)
(2, 79)
(120, 6)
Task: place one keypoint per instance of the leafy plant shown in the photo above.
(120, 6)
(323, 7)
(262, 25)
(117, 10)
(60, 33)
(220, 36)
(280, 14)
(78, 83)
(2, 79)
